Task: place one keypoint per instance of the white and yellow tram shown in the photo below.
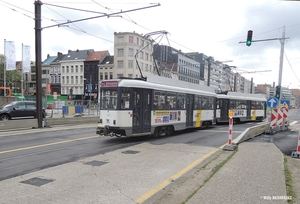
(132, 107)
(243, 107)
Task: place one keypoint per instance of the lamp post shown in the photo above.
(89, 88)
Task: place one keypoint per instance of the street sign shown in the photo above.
(284, 103)
(272, 102)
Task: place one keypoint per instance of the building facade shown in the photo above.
(132, 55)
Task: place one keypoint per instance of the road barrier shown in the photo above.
(17, 124)
(230, 146)
(252, 132)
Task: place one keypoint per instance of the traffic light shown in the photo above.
(277, 94)
(249, 38)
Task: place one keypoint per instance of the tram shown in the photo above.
(244, 107)
(154, 107)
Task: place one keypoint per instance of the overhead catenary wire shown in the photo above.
(291, 66)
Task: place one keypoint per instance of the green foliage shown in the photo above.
(13, 78)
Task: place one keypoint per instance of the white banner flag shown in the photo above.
(10, 55)
(26, 59)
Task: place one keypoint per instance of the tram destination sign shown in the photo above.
(109, 84)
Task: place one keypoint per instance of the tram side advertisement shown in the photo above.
(166, 116)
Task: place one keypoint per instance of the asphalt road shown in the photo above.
(286, 141)
(26, 151)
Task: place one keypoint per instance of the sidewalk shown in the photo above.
(255, 174)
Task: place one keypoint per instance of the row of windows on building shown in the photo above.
(71, 69)
(72, 80)
(188, 79)
(189, 64)
(130, 64)
(142, 55)
(187, 71)
(78, 89)
(140, 42)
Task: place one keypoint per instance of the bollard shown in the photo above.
(230, 131)
(230, 146)
(296, 154)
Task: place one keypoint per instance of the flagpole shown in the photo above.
(22, 79)
(4, 80)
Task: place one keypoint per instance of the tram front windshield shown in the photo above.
(108, 99)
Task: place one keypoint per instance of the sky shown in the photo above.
(215, 28)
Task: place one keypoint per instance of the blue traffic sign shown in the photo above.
(272, 102)
(285, 102)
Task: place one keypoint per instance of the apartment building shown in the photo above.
(91, 74)
(132, 55)
(176, 64)
(72, 73)
(55, 74)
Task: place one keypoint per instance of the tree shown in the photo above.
(13, 78)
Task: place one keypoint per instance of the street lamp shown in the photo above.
(89, 88)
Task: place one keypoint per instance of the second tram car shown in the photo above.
(245, 107)
(132, 107)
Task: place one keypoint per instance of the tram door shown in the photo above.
(141, 118)
(248, 107)
(189, 110)
(224, 109)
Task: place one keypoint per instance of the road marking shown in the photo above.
(176, 176)
(293, 123)
(49, 144)
(55, 128)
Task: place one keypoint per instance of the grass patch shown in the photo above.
(215, 170)
(288, 181)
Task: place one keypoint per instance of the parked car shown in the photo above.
(19, 109)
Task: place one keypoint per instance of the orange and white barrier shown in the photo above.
(230, 131)
(296, 153)
(273, 118)
(298, 146)
(279, 117)
(285, 115)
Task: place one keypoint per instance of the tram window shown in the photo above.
(218, 103)
(159, 100)
(241, 104)
(211, 103)
(232, 104)
(171, 100)
(197, 102)
(262, 105)
(181, 101)
(109, 99)
(125, 98)
(204, 103)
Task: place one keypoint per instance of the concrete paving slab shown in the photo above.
(255, 174)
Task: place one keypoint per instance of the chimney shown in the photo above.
(48, 56)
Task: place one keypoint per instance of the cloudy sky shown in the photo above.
(214, 28)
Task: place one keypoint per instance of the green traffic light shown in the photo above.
(248, 43)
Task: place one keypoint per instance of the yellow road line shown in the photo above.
(49, 144)
(176, 176)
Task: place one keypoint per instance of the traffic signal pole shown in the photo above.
(282, 42)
